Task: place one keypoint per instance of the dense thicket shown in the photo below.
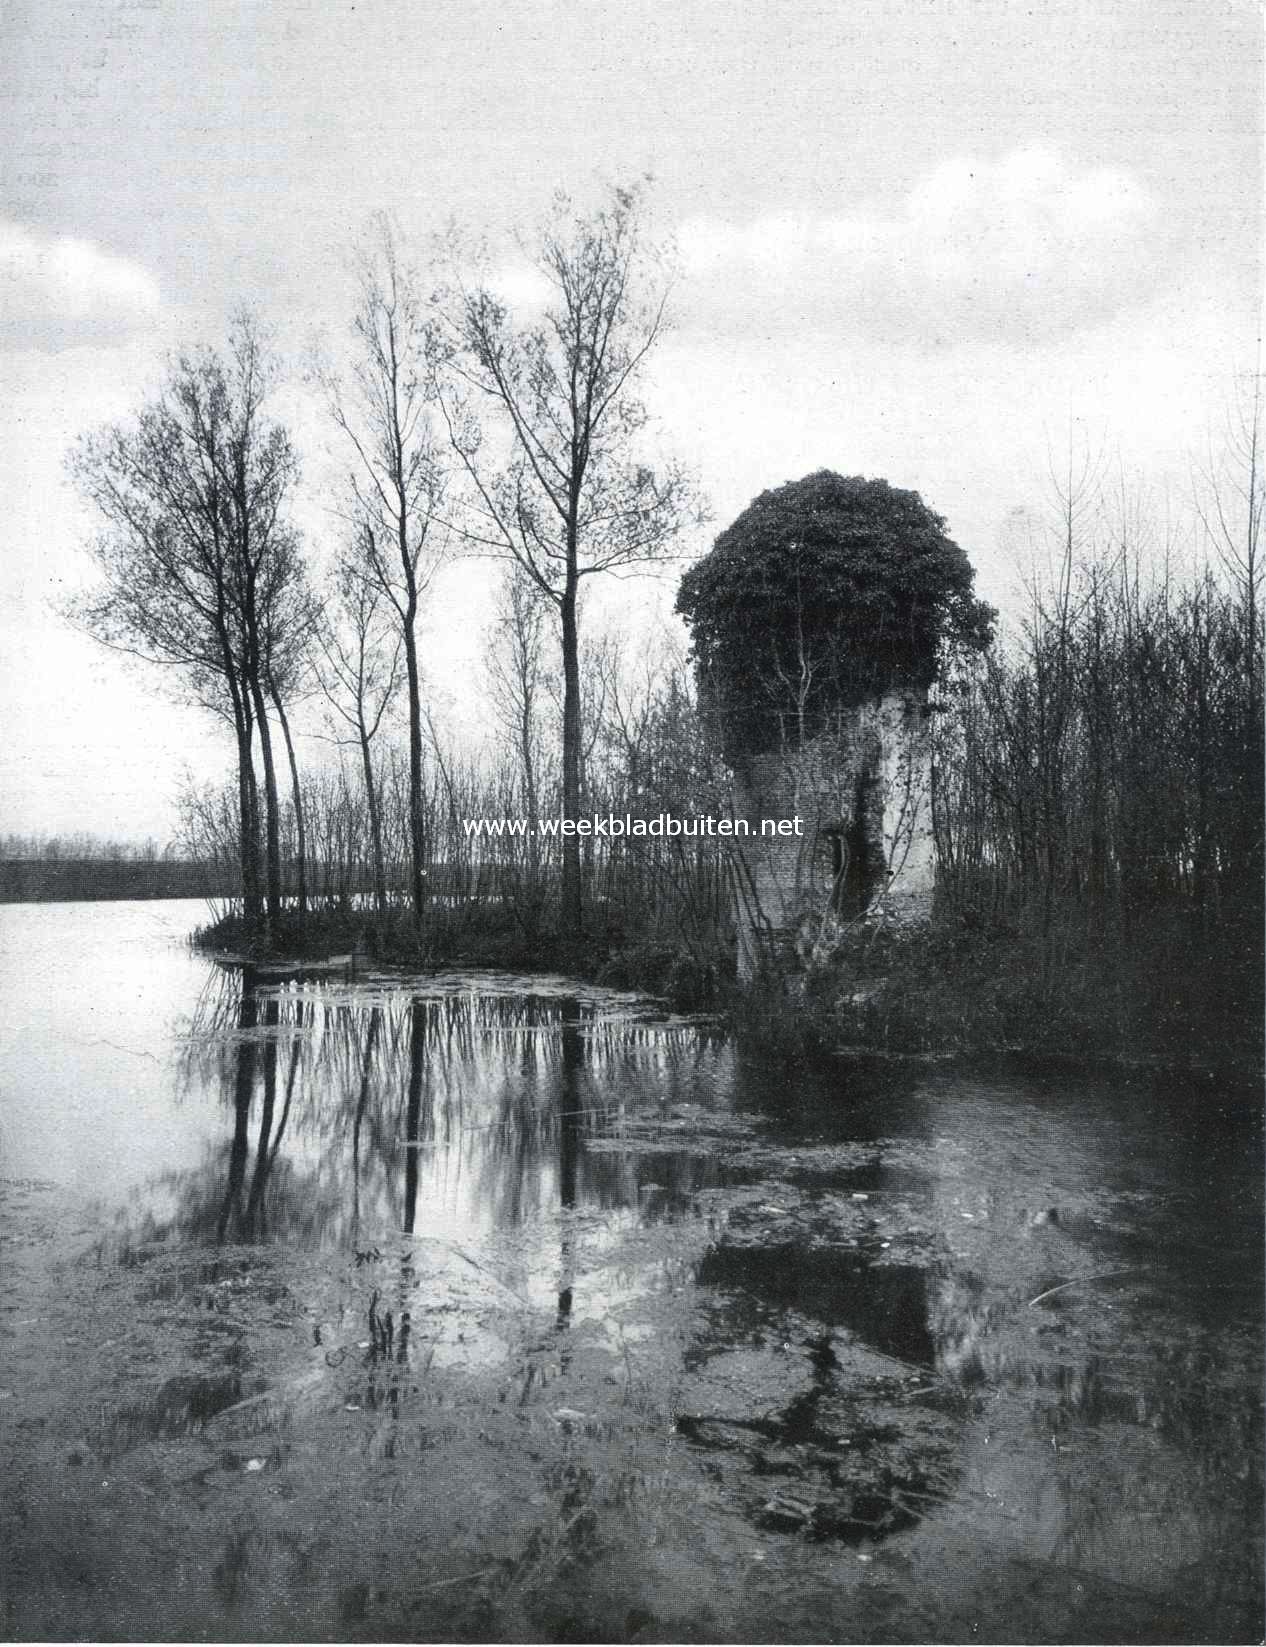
(1099, 795)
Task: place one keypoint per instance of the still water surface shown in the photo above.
(610, 1329)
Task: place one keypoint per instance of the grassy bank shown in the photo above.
(1171, 998)
(482, 936)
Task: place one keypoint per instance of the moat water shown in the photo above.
(476, 1307)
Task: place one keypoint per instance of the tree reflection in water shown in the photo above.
(878, 1283)
(569, 1110)
(356, 1112)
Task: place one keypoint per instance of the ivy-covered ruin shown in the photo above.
(820, 619)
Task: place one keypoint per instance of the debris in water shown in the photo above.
(1079, 1280)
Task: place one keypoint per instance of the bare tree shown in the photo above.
(515, 666)
(281, 684)
(257, 469)
(359, 672)
(565, 490)
(1230, 501)
(200, 570)
(397, 480)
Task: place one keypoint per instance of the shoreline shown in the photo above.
(798, 1018)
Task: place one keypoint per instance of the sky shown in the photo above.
(928, 240)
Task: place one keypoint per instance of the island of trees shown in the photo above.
(1096, 765)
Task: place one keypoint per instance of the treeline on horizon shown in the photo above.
(81, 866)
(27, 880)
(1098, 783)
(84, 846)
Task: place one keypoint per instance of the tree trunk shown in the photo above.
(417, 821)
(272, 825)
(301, 840)
(530, 799)
(572, 914)
(529, 912)
(248, 818)
(375, 823)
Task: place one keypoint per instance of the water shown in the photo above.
(498, 1308)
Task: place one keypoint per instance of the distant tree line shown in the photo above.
(64, 880)
(44, 868)
(83, 845)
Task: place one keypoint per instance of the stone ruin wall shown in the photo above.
(863, 790)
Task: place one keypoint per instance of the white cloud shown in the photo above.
(57, 292)
(520, 284)
(1025, 247)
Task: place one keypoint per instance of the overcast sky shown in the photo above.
(920, 239)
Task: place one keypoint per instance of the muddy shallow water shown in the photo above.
(491, 1308)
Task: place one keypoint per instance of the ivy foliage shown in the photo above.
(822, 593)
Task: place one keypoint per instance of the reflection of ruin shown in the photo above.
(862, 791)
